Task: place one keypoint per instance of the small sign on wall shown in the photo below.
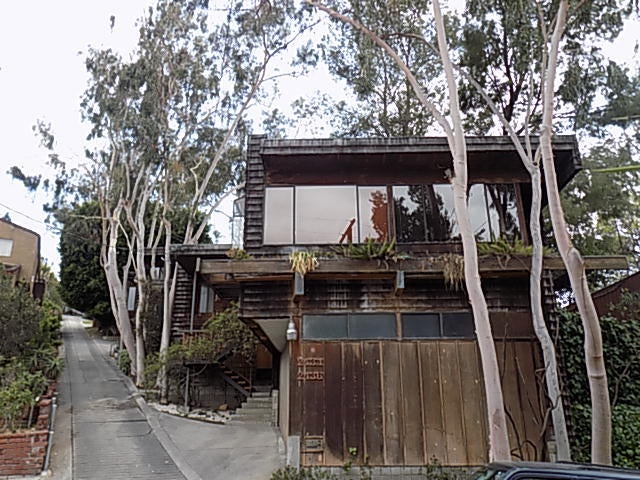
(312, 444)
(310, 368)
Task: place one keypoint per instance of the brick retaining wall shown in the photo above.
(23, 453)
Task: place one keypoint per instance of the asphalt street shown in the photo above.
(111, 437)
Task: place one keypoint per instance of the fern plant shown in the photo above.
(505, 248)
(371, 249)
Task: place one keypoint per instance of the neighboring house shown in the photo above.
(610, 295)
(20, 256)
(376, 362)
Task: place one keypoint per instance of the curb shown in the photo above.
(152, 418)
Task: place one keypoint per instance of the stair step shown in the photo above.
(258, 393)
(257, 402)
(244, 411)
(264, 419)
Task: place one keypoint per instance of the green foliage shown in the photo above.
(386, 104)
(19, 392)
(224, 335)
(435, 471)
(238, 254)
(82, 279)
(500, 45)
(124, 362)
(371, 249)
(626, 431)
(602, 209)
(292, 473)
(229, 334)
(620, 333)
(20, 318)
(50, 323)
(506, 248)
(28, 352)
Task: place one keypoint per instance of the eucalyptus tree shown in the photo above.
(386, 104)
(167, 135)
(450, 121)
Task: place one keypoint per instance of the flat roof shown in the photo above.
(404, 160)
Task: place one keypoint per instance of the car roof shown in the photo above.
(592, 470)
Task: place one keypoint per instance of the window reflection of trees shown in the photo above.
(424, 213)
(379, 215)
(502, 205)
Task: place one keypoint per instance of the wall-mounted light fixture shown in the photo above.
(292, 333)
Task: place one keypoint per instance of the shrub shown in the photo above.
(19, 393)
(292, 473)
(29, 357)
(50, 323)
(124, 361)
(626, 431)
(20, 317)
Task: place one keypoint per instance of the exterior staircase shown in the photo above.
(257, 410)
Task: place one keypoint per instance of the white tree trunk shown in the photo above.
(168, 294)
(118, 292)
(535, 280)
(141, 310)
(540, 327)
(498, 435)
(594, 355)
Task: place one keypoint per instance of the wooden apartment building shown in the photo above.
(376, 362)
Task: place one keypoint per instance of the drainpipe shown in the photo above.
(52, 419)
(191, 319)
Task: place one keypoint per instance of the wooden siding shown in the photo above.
(408, 403)
(254, 195)
(182, 304)
(508, 300)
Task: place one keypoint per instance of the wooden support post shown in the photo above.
(399, 287)
(298, 285)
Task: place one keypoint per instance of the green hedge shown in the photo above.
(626, 434)
(28, 352)
(621, 343)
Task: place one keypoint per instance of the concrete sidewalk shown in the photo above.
(200, 450)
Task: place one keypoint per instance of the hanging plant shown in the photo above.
(303, 262)
(453, 270)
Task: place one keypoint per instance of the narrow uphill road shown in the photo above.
(111, 438)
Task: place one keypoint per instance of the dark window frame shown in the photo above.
(398, 327)
(392, 220)
(441, 331)
(348, 316)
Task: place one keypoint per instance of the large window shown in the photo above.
(363, 326)
(6, 245)
(354, 326)
(278, 217)
(349, 213)
(438, 325)
(373, 210)
(325, 214)
(425, 213)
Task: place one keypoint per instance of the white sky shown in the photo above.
(42, 76)
(43, 44)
